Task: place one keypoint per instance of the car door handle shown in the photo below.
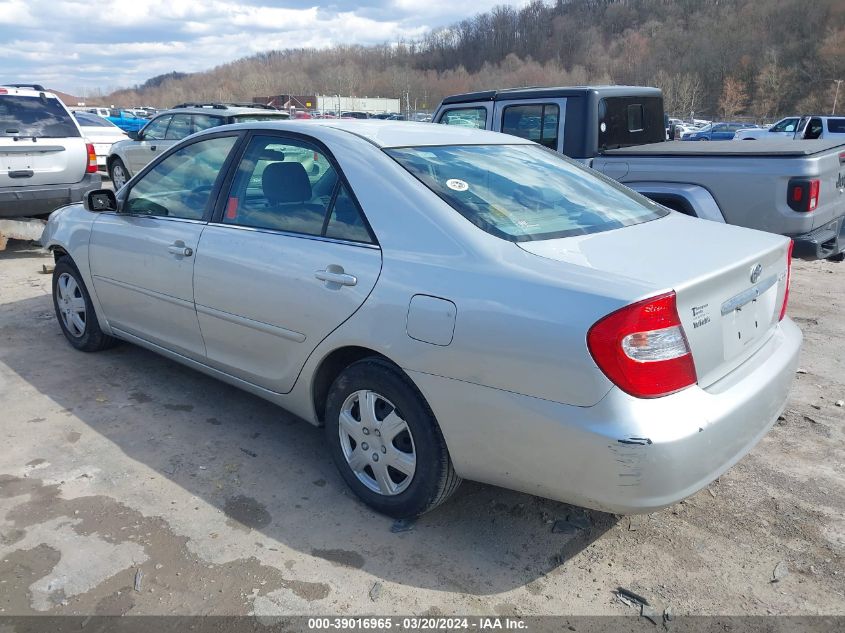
(152, 148)
(180, 250)
(336, 276)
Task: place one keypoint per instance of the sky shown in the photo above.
(77, 47)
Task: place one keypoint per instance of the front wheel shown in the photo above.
(118, 174)
(75, 311)
(385, 441)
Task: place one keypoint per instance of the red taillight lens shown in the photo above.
(3, 91)
(803, 195)
(788, 279)
(642, 348)
(92, 159)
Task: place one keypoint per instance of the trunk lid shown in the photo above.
(729, 281)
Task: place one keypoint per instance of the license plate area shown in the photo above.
(748, 316)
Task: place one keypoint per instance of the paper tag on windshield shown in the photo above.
(457, 185)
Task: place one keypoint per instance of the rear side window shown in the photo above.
(35, 117)
(536, 122)
(466, 117)
(289, 185)
(836, 126)
(627, 121)
(525, 192)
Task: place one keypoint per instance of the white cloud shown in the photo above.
(78, 46)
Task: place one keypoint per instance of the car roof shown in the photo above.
(385, 133)
(540, 92)
(27, 92)
(220, 109)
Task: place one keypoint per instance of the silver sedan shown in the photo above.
(449, 303)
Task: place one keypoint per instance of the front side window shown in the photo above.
(536, 122)
(289, 185)
(787, 125)
(180, 186)
(157, 128)
(524, 192)
(466, 117)
(32, 117)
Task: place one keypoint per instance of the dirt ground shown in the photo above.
(129, 484)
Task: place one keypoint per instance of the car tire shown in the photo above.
(74, 310)
(400, 431)
(118, 174)
(839, 257)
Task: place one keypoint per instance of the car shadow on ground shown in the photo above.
(270, 473)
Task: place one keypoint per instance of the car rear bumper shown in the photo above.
(822, 242)
(623, 455)
(42, 199)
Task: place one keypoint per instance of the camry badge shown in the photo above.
(755, 273)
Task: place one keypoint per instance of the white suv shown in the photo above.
(45, 162)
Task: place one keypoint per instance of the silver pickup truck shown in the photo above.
(795, 188)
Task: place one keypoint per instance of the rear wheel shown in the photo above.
(75, 311)
(118, 173)
(385, 441)
(838, 257)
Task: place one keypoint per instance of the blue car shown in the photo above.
(717, 132)
(126, 121)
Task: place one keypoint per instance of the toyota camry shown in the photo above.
(448, 303)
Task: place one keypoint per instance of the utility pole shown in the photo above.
(836, 96)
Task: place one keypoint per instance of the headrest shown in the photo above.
(285, 182)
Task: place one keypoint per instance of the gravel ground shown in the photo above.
(129, 484)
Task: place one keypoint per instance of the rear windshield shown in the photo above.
(522, 193)
(35, 117)
(91, 120)
(627, 121)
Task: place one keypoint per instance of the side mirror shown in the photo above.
(100, 200)
(135, 136)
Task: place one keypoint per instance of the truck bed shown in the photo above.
(769, 148)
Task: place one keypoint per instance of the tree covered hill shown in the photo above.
(719, 58)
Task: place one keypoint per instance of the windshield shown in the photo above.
(525, 192)
(35, 117)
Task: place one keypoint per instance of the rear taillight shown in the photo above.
(92, 159)
(642, 348)
(3, 91)
(788, 279)
(803, 194)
